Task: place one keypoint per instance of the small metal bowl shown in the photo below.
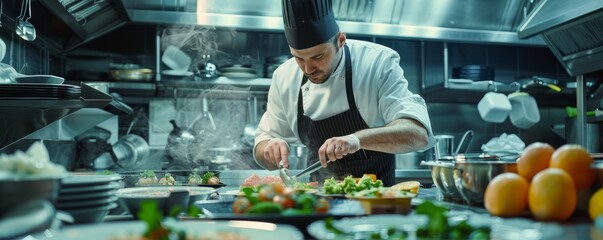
(471, 177)
(442, 175)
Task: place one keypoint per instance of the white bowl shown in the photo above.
(524, 110)
(494, 107)
(175, 58)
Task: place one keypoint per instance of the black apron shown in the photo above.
(314, 133)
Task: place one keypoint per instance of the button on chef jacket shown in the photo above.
(380, 90)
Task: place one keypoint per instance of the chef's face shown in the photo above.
(319, 62)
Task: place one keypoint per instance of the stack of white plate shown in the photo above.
(88, 198)
(238, 71)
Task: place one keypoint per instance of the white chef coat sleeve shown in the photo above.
(274, 122)
(396, 100)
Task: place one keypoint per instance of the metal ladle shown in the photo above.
(24, 28)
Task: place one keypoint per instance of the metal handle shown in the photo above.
(312, 168)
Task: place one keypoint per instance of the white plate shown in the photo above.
(237, 69)
(29, 217)
(39, 79)
(502, 228)
(86, 203)
(84, 196)
(78, 180)
(239, 75)
(85, 189)
(317, 229)
(177, 73)
(248, 229)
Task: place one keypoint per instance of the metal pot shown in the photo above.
(442, 174)
(471, 177)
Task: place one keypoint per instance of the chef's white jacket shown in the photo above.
(380, 90)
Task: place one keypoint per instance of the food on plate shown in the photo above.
(382, 192)
(271, 179)
(194, 179)
(251, 181)
(438, 226)
(206, 178)
(276, 198)
(147, 177)
(34, 162)
(349, 185)
(167, 179)
(409, 186)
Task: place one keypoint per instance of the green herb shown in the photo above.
(265, 207)
(105, 172)
(147, 174)
(206, 176)
(331, 228)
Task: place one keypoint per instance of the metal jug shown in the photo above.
(178, 143)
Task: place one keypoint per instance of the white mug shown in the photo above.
(494, 107)
(524, 110)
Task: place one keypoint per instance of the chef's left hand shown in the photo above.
(337, 147)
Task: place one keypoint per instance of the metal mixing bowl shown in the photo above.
(471, 177)
(442, 175)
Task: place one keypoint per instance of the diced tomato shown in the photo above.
(313, 184)
(284, 200)
(240, 205)
(266, 194)
(322, 206)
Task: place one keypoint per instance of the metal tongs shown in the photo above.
(291, 180)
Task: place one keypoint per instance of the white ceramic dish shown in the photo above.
(85, 204)
(89, 215)
(27, 218)
(79, 180)
(249, 229)
(177, 73)
(49, 79)
(85, 196)
(86, 189)
(175, 58)
(241, 75)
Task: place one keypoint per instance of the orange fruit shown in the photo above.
(552, 195)
(576, 161)
(595, 204)
(507, 195)
(535, 158)
(409, 186)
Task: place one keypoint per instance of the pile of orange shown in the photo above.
(546, 183)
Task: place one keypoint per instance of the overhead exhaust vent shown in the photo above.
(88, 19)
(571, 30)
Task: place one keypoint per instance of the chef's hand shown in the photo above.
(277, 149)
(337, 147)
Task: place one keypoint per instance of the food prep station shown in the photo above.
(89, 126)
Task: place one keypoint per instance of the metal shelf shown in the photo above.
(472, 92)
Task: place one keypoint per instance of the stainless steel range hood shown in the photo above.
(88, 19)
(573, 30)
(492, 21)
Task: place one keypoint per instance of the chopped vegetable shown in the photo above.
(194, 179)
(275, 198)
(349, 185)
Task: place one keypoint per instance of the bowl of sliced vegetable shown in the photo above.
(384, 200)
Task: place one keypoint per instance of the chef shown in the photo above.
(346, 100)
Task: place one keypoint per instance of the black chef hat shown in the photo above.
(308, 22)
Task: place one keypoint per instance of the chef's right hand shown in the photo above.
(277, 149)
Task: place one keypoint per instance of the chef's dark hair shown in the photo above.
(308, 22)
